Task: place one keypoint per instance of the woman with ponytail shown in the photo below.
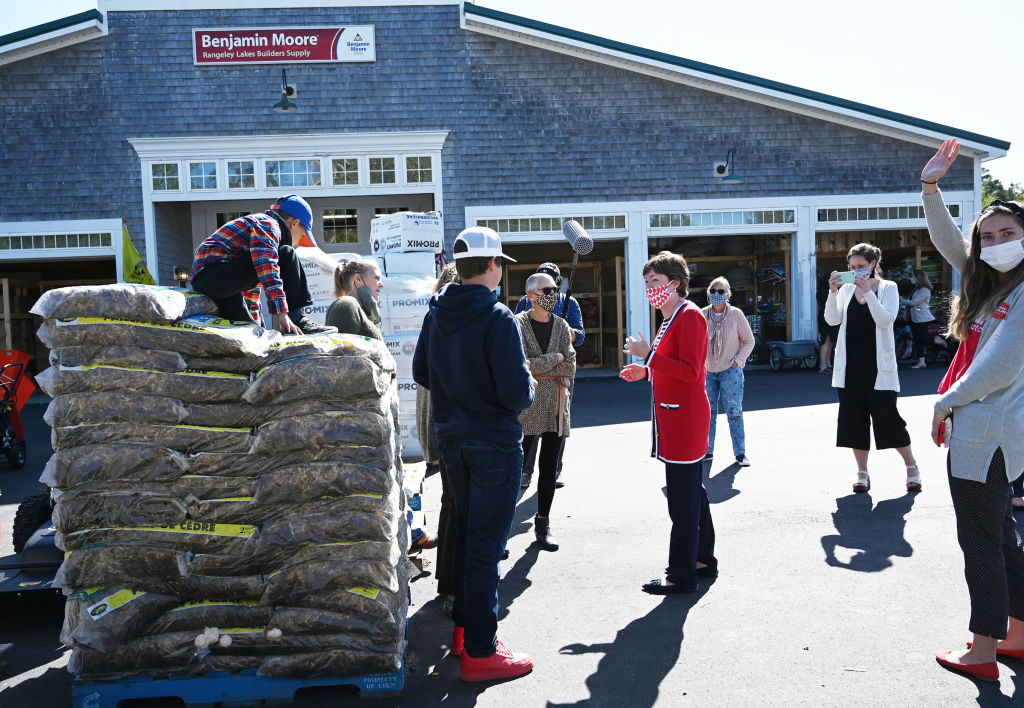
(357, 286)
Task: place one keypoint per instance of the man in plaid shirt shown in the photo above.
(254, 252)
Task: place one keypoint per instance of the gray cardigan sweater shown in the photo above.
(987, 402)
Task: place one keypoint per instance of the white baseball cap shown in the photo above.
(481, 242)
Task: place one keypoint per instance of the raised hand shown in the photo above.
(637, 347)
(939, 165)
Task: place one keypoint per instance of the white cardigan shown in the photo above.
(884, 309)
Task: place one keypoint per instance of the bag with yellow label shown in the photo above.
(103, 618)
(128, 301)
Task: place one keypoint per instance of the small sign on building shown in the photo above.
(273, 45)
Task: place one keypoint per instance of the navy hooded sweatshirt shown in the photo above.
(470, 356)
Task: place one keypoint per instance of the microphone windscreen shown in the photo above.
(577, 237)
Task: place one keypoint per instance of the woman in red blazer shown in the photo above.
(675, 365)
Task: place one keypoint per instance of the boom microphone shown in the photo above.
(577, 237)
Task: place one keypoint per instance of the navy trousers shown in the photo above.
(693, 533)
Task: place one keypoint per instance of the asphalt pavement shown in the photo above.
(825, 597)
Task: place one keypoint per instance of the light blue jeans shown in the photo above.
(728, 386)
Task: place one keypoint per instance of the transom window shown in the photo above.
(344, 171)
(38, 242)
(241, 174)
(553, 224)
(418, 169)
(384, 211)
(722, 218)
(382, 170)
(883, 213)
(293, 173)
(202, 175)
(340, 226)
(165, 176)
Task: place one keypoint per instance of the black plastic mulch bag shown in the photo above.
(189, 386)
(326, 378)
(246, 415)
(170, 653)
(128, 301)
(192, 536)
(113, 462)
(303, 482)
(297, 347)
(196, 336)
(281, 558)
(250, 465)
(125, 357)
(324, 527)
(183, 438)
(104, 618)
(135, 567)
(303, 620)
(200, 614)
(246, 510)
(113, 407)
(320, 430)
(370, 604)
(330, 662)
(244, 641)
(289, 586)
(74, 511)
(205, 587)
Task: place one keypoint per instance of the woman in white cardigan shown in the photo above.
(864, 366)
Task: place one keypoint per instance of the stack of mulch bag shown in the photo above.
(227, 498)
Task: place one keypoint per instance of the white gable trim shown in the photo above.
(721, 85)
(51, 41)
(148, 5)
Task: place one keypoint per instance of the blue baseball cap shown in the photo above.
(296, 207)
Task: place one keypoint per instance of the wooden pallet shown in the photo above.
(224, 689)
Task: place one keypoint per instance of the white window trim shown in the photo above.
(399, 178)
(216, 175)
(263, 172)
(227, 176)
(359, 172)
(152, 177)
(405, 168)
(114, 227)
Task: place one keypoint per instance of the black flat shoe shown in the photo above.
(657, 587)
(707, 572)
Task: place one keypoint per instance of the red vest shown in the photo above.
(677, 367)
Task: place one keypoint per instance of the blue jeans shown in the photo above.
(485, 480)
(727, 385)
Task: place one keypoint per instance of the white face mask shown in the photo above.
(866, 272)
(1004, 256)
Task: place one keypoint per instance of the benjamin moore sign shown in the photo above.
(271, 45)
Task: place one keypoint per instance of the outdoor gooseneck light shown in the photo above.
(726, 171)
(284, 105)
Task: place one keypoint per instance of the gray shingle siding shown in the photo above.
(526, 125)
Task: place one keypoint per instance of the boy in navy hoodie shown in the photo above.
(470, 356)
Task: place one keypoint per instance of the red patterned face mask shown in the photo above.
(659, 296)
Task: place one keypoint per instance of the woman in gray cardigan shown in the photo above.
(920, 315)
(982, 394)
(547, 340)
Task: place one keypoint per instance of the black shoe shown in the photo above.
(658, 587)
(707, 571)
(559, 484)
(542, 530)
(308, 326)
(742, 461)
(527, 478)
(504, 555)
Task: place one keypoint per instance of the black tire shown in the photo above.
(32, 513)
(16, 456)
(811, 361)
(775, 359)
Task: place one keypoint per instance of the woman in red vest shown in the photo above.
(675, 364)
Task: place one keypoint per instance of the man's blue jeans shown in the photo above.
(485, 480)
(727, 385)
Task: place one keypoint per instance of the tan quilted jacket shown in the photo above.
(542, 416)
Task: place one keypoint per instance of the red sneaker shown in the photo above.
(458, 640)
(503, 664)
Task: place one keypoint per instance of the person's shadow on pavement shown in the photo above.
(640, 656)
(720, 487)
(875, 533)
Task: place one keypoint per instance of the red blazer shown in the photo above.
(676, 367)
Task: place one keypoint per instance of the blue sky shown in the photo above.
(930, 60)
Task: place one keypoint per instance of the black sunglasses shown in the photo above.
(719, 292)
(1014, 207)
(547, 291)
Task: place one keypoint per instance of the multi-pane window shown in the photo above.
(224, 217)
(384, 211)
(382, 170)
(165, 176)
(536, 224)
(344, 171)
(241, 174)
(293, 173)
(15, 243)
(722, 218)
(340, 226)
(418, 169)
(202, 175)
(882, 213)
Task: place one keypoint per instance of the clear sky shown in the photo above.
(940, 60)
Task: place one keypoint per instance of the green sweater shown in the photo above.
(346, 314)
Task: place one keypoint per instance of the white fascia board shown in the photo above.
(51, 41)
(45, 228)
(270, 146)
(49, 254)
(156, 5)
(725, 86)
(306, 193)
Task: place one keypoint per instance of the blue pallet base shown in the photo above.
(224, 689)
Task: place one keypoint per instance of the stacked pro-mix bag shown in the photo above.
(227, 498)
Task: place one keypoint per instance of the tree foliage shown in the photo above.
(992, 188)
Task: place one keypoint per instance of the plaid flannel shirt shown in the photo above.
(259, 236)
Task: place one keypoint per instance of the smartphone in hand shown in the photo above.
(847, 277)
(945, 430)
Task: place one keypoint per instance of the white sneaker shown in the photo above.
(742, 461)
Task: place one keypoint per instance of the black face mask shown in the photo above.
(286, 232)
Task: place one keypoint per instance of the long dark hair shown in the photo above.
(921, 280)
(872, 254)
(981, 290)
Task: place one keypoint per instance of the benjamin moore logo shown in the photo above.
(359, 38)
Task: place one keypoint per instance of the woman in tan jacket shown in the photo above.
(547, 340)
